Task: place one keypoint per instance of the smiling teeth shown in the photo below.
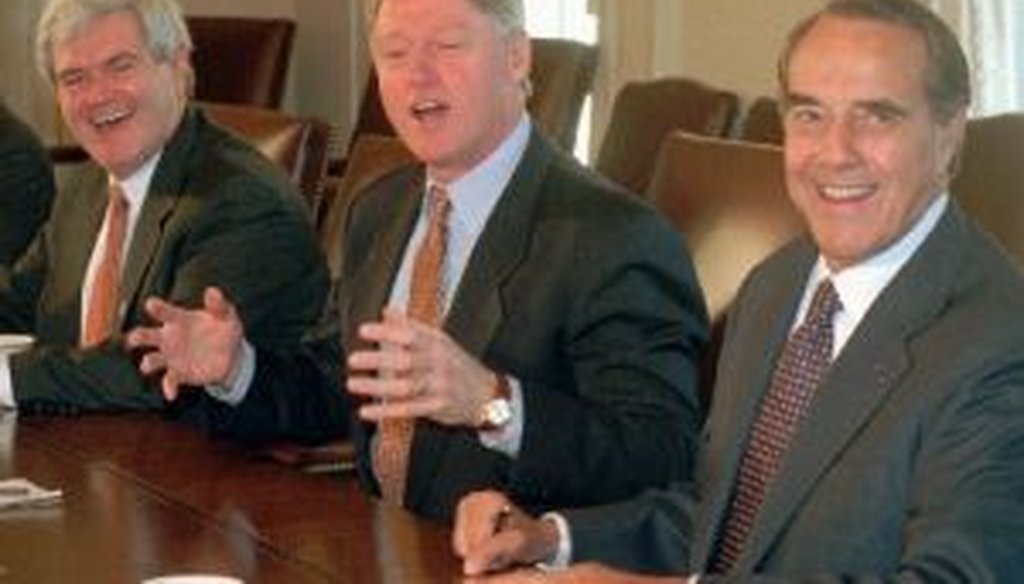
(846, 192)
(109, 117)
(426, 106)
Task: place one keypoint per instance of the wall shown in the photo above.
(733, 44)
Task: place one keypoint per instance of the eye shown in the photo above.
(70, 79)
(804, 115)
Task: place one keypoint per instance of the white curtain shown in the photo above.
(989, 31)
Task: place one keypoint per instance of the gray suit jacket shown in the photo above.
(217, 214)
(910, 463)
(26, 186)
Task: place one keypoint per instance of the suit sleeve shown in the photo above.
(245, 240)
(636, 327)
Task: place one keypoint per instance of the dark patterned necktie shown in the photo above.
(104, 299)
(426, 291)
(800, 368)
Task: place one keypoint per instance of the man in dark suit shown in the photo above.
(563, 367)
(26, 186)
(878, 438)
(192, 206)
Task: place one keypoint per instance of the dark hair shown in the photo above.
(947, 77)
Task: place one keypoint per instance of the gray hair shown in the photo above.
(509, 15)
(163, 26)
(947, 76)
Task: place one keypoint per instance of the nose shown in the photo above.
(422, 67)
(838, 143)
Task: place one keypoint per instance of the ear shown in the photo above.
(520, 56)
(949, 144)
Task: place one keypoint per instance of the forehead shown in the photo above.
(408, 16)
(98, 39)
(856, 55)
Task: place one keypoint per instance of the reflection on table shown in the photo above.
(145, 497)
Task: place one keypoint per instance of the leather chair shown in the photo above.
(991, 178)
(241, 60)
(645, 112)
(371, 157)
(562, 74)
(298, 144)
(763, 122)
(728, 199)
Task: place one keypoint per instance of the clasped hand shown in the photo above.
(416, 370)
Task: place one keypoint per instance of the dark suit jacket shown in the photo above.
(26, 186)
(579, 291)
(217, 214)
(910, 463)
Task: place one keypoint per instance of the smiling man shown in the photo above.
(866, 421)
(510, 319)
(175, 205)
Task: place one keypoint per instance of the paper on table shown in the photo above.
(19, 493)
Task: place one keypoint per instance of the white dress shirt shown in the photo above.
(134, 188)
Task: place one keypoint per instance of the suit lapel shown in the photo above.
(377, 274)
(866, 372)
(477, 310)
(165, 191)
(737, 397)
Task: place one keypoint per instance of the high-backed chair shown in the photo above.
(991, 178)
(762, 122)
(562, 74)
(241, 60)
(371, 157)
(298, 144)
(645, 112)
(728, 198)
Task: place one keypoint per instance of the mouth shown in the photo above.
(846, 193)
(109, 117)
(429, 109)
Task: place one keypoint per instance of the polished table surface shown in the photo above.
(145, 497)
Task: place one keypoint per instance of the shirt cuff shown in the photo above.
(234, 390)
(563, 553)
(508, 439)
(6, 384)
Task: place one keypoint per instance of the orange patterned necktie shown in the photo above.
(801, 366)
(426, 290)
(101, 314)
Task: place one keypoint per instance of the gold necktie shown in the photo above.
(394, 440)
(101, 314)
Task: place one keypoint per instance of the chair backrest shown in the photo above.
(762, 122)
(645, 112)
(562, 75)
(728, 199)
(991, 178)
(298, 144)
(370, 158)
(241, 60)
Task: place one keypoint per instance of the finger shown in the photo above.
(398, 362)
(475, 519)
(402, 408)
(216, 303)
(162, 311)
(143, 338)
(382, 388)
(170, 387)
(400, 334)
(152, 362)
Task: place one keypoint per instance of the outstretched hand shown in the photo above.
(192, 347)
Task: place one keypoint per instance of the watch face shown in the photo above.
(497, 413)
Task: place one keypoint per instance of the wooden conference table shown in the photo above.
(145, 497)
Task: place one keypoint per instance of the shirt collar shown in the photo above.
(474, 194)
(860, 284)
(137, 184)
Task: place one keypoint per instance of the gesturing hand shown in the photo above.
(193, 347)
